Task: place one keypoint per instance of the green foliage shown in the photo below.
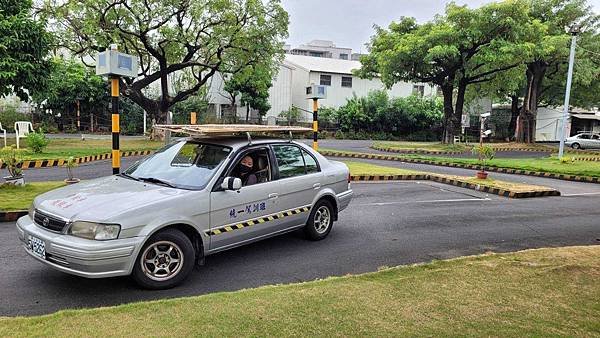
(10, 156)
(188, 41)
(567, 160)
(71, 81)
(71, 164)
(292, 115)
(376, 116)
(24, 44)
(485, 153)
(37, 141)
(9, 116)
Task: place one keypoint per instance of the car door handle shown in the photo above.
(273, 195)
(316, 185)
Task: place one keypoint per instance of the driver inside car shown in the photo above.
(244, 170)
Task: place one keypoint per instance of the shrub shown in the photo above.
(9, 116)
(36, 142)
(485, 152)
(10, 157)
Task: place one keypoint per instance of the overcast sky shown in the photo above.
(349, 23)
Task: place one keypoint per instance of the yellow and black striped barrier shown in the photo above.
(35, 164)
(255, 221)
(418, 151)
(575, 178)
(458, 183)
(315, 124)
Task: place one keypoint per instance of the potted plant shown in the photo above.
(10, 157)
(71, 164)
(485, 153)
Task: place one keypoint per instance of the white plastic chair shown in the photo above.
(3, 131)
(22, 129)
(456, 139)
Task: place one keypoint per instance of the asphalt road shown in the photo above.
(386, 225)
(566, 188)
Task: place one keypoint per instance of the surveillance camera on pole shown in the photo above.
(486, 115)
(113, 64)
(487, 133)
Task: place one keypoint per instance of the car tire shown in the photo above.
(164, 261)
(576, 146)
(320, 221)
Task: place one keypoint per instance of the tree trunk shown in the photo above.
(447, 91)
(514, 114)
(247, 112)
(459, 106)
(526, 126)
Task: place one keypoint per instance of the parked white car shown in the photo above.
(584, 141)
(193, 198)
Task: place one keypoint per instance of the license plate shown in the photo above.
(37, 246)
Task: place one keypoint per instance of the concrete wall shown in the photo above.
(548, 124)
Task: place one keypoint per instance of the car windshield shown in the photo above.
(186, 165)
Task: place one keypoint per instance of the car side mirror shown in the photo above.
(231, 183)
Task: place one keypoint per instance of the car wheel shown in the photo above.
(320, 221)
(575, 146)
(165, 260)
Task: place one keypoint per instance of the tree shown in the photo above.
(550, 55)
(463, 47)
(170, 38)
(24, 44)
(69, 83)
(253, 83)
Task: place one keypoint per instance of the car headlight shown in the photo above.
(97, 231)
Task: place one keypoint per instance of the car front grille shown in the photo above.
(49, 222)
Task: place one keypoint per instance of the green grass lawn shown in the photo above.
(544, 292)
(20, 198)
(429, 146)
(546, 164)
(63, 148)
(362, 168)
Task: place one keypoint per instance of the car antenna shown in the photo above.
(249, 138)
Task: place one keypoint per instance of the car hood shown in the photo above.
(103, 198)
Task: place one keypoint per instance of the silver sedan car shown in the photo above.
(192, 198)
(584, 141)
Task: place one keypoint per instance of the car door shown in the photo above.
(595, 141)
(300, 180)
(246, 214)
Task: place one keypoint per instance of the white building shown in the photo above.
(549, 120)
(321, 48)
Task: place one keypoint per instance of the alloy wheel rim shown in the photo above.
(322, 219)
(162, 261)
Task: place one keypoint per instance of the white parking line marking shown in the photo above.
(582, 194)
(430, 201)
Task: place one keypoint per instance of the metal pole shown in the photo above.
(144, 122)
(116, 154)
(78, 116)
(561, 148)
(315, 124)
(481, 138)
(167, 132)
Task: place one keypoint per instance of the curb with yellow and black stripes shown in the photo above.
(575, 178)
(458, 183)
(34, 164)
(417, 151)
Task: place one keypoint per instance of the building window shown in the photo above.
(344, 56)
(418, 90)
(325, 80)
(347, 81)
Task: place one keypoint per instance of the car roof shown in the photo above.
(237, 142)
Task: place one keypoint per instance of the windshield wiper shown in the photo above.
(157, 181)
(128, 176)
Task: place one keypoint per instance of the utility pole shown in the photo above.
(315, 93)
(115, 65)
(574, 30)
(78, 116)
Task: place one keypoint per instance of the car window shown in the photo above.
(310, 163)
(253, 167)
(290, 160)
(596, 137)
(584, 136)
(186, 164)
